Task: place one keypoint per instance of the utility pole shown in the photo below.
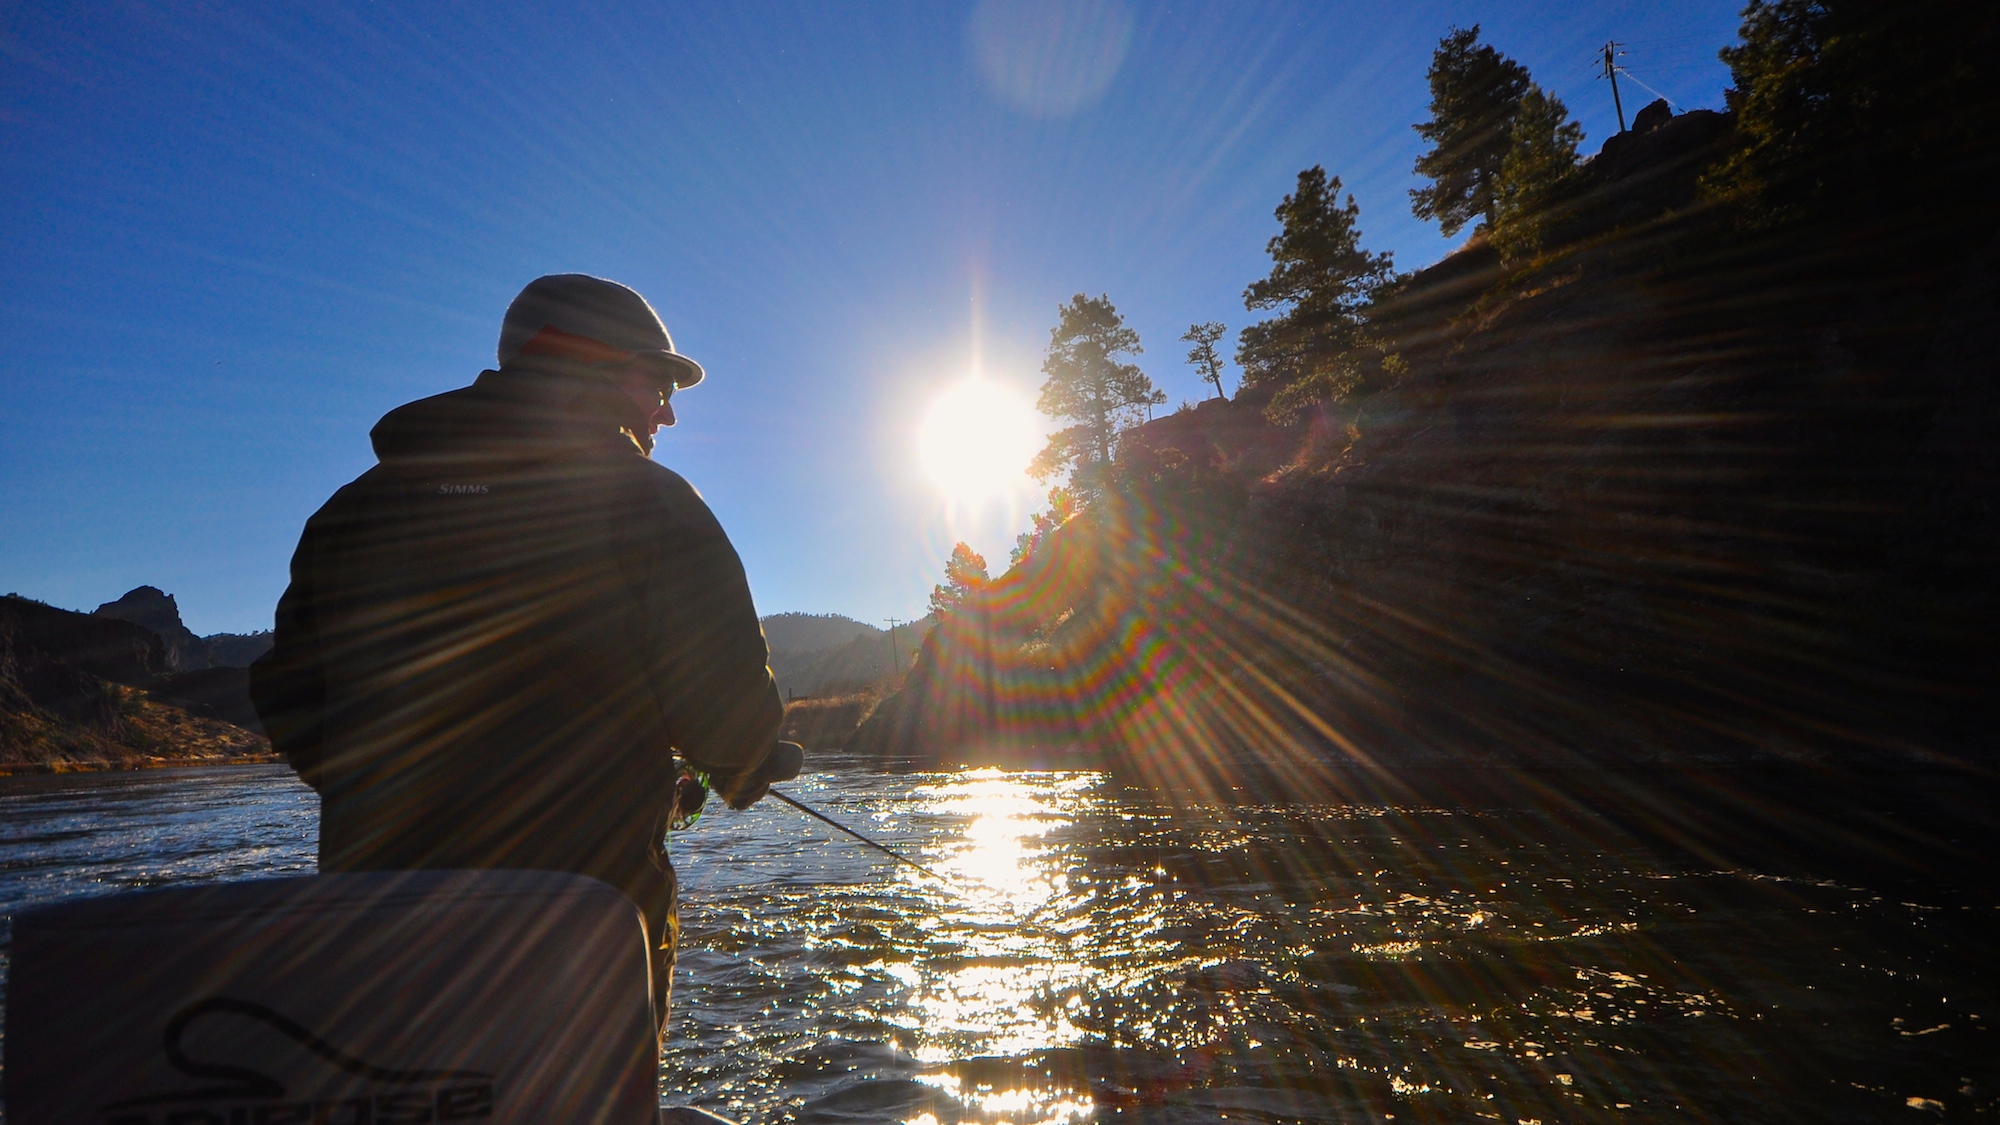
(1611, 53)
(895, 657)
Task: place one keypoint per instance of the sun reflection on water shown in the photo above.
(1088, 953)
(1004, 874)
(1012, 1106)
(1006, 815)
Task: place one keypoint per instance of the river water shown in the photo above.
(1097, 956)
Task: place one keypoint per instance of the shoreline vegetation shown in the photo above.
(61, 768)
(828, 723)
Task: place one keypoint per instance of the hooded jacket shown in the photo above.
(496, 638)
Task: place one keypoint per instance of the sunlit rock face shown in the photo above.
(1668, 499)
(82, 691)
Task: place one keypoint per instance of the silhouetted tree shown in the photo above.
(1323, 280)
(1062, 505)
(1203, 357)
(964, 575)
(1475, 92)
(1861, 109)
(1539, 171)
(1092, 387)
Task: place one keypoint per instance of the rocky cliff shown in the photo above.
(80, 691)
(156, 610)
(1687, 492)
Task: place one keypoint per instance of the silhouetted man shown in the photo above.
(493, 638)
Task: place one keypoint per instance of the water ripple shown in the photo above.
(1096, 955)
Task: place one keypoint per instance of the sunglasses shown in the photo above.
(643, 367)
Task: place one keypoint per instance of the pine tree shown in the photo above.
(1323, 280)
(1538, 172)
(1475, 92)
(1203, 357)
(1852, 112)
(1090, 386)
(964, 575)
(1062, 505)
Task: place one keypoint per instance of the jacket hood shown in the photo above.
(511, 414)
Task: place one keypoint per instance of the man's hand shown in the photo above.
(750, 786)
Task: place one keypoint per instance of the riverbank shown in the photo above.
(45, 769)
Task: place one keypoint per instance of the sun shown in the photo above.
(977, 439)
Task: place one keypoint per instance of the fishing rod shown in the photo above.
(698, 783)
(883, 848)
(691, 793)
(1026, 921)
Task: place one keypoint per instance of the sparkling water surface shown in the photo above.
(1093, 955)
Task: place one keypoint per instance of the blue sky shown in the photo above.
(237, 235)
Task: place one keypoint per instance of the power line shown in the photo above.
(1670, 102)
(1610, 56)
(895, 656)
(1664, 39)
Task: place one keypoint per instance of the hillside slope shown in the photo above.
(78, 691)
(1683, 494)
(827, 654)
(812, 632)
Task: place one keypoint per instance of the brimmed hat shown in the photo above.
(577, 310)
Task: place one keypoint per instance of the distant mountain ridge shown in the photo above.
(129, 684)
(831, 654)
(811, 632)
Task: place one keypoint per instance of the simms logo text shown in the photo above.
(463, 489)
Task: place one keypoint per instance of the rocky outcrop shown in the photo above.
(1655, 114)
(1639, 175)
(1683, 495)
(153, 609)
(80, 691)
(106, 649)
